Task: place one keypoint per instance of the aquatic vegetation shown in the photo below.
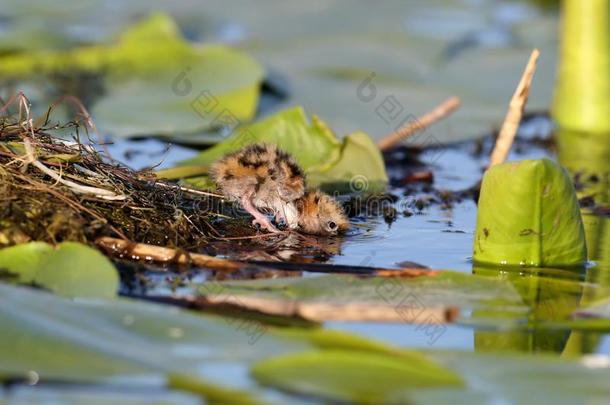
(528, 215)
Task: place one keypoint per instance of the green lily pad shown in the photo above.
(156, 83)
(76, 270)
(25, 259)
(121, 341)
(354, 377)
(327, 160)
(529, 215)
(71, 270)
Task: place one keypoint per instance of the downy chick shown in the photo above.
(261, 177)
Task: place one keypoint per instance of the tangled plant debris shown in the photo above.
(55, 190)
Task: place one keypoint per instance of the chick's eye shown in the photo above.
(332, 225)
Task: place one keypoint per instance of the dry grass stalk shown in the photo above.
(151, 253)
(439, 112)
(515, 112)
(126, 249)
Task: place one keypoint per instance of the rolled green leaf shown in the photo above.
(529, 216)
(582, 95)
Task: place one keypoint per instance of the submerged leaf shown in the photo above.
(529, 215)
(327, 160)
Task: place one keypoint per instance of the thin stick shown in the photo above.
(515, 112)
(141, 251)
(405, 272)
(189, 190)
(419, 124)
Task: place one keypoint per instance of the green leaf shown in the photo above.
(25, 259)
(77, 270)
(349, 376)
(529, 215)
(360, 167)
(155, 81)
(327, 160)
(71, 270)
(313, 144)
(581, 97)
(122, 341)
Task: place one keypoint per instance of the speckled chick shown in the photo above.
(320, 214)
(261, 177)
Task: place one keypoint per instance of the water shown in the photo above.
(437, 237)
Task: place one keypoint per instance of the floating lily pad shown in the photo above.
(155, 82)
(72, 269)
(23, 261)
(122, 341)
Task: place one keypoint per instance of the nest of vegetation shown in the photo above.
(55, 190)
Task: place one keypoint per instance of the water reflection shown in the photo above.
(550, 295)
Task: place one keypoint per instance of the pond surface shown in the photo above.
(438, 237)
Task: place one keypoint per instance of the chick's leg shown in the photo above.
(259, 218)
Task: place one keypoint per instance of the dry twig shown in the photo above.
(515, 112)
(419, 124)
(141, 251)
